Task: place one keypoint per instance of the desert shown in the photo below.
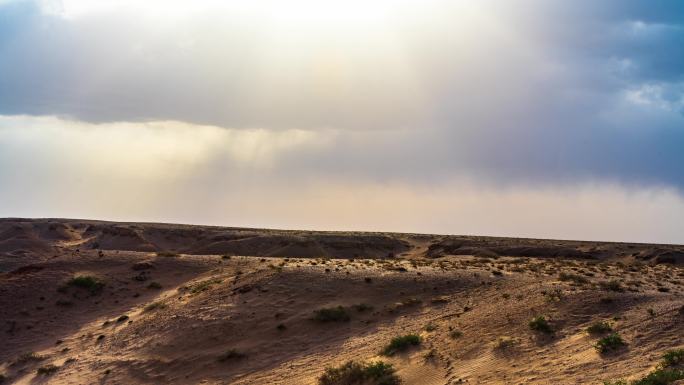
(91, 302)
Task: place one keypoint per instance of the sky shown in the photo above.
(530, 118)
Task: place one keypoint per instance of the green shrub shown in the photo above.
(599, 328)
(356, 373)
(661, 376)
(87, 282)
(608, 343)
(331, 314)
(673, 357)
(664, 374)
(540, 324)
(401, 343)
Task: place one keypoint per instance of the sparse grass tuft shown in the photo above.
(202, 286)
(167, 254)
(361, 307)
(355, 373)
(401, 343)
(555, 295)
(540, 324)
(430, 355)
(615, 382)
(599, 328)
(612, 285)
(609, 343)
(231, 355)
(455, 334)
(505, 343)
(47, 370)
(576, 278)
(62, 302)
(331, 314)
(28, 357)
(155, 306)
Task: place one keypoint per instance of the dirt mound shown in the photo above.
(39, 236)
(662, 255)
(22, 238)
(117, 237)
(505, 247)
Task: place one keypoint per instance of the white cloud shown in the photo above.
(155, 149)
(667, 97)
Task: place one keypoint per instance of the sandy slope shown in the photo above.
(211, 304)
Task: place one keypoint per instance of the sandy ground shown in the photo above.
(175, 299)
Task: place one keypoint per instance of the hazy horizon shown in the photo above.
(543, 119)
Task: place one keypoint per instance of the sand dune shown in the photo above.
(177, 304)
